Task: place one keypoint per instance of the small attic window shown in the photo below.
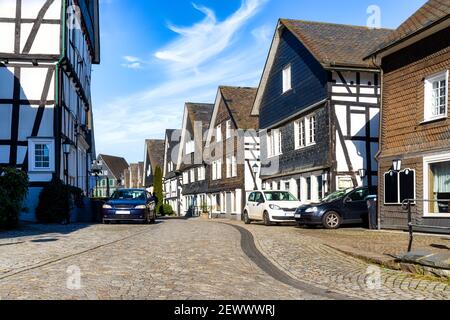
(287, 78)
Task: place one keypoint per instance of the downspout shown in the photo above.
(58, 95)
(380, 135)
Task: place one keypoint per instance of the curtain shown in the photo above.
(441, 173)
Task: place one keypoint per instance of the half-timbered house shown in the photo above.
(110, 176)
(414, 155)
(153, 158)
(47, 49)
(318, 105)
(190, 164)
(232, 147)
(172, 180)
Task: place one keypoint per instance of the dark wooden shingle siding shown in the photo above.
(309, 82)
(300, 160)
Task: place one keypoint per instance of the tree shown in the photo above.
(158, 189)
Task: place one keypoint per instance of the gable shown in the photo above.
(309, 82)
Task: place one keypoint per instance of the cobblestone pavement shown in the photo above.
(305, 256)
(192, 259)
(171, 260)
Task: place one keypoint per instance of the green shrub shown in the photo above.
(56, 201)
(166, 210)
(13, 190)
(158, 189)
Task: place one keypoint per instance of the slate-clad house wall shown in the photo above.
(197, 117)
(45, 98)
(153, 158)
(321, 98)
(235, 154)
(172, 180)
(415, 58)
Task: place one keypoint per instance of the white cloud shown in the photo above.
(204, 40)
(132, 62)
(190, 73)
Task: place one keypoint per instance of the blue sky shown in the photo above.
(156, 55)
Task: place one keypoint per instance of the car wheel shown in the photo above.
(332, 220)
(246, 218)
(266, 219)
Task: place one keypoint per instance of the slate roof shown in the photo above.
(431, 12)
(116, 165)
(155, 153)
(240, 101)
(200, 112)
(337, 44)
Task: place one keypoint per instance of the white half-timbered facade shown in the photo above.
(47, 49)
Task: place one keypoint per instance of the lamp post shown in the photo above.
(66, 149)
(397, 165)
(255, 170)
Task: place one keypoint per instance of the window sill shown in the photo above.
(306, 147)
(436, 215)
(429, 121)
(287, 92)
(274, 156)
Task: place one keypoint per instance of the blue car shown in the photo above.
(341, 207)
(134, 205)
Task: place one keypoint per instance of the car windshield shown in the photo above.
(279, 196)
(336, 195)
(128, 195)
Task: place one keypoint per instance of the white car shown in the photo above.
(271, 207)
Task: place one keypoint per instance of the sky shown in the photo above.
(156, 55)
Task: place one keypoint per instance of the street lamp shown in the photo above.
(66, 149)
(397, 165)
(362, 173)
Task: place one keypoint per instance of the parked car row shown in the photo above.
(347, 206)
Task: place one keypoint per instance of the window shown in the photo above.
(201, 173)
(42, 157)
(190, 147)
(228, 164)
(287, 79)
(287, 186)
(233, 166)
(185, 177)
(436, 96)
(312, 130)
(308, 189)
(219, 133)
(437, 185)
(217, 170)
(228, 130)
(320, 187)
(274, 141)
(359, 195)
(251, 197)
(214, 170)
(399, 186)
(299, 188)
(305, 132)
(192, 172)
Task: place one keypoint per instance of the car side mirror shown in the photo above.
(348, 200)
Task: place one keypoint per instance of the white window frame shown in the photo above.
(287, 78)
(228, 130)
(219, 169)
(219, 133)
(190, 147)
(428, 91)
(303, 127)
(185, 177)
(228, 167)
(50, 143)
(233, 166)
(214, 170)
(274, 143)
(426, 162)
(192, 175)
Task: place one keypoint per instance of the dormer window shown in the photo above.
(287, 78)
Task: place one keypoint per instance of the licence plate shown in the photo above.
(298, 216)
(122, 212)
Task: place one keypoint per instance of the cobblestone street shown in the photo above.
(192, 259)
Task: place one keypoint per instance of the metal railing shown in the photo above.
(409, 203)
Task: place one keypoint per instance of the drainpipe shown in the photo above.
(58, 95)
(380, 136)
